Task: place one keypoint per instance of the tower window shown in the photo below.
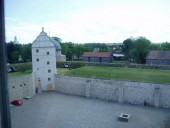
(37, 59)
(49, 79)
(48, 62)
(49, 71)
(37, 50)
(48, 53)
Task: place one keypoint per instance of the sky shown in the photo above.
(87, 21)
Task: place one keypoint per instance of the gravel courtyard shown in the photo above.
(57, 110)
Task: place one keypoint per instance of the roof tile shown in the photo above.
(96, 54)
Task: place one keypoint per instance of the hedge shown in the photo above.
(23, 66)
(70, 64)
(143, 66)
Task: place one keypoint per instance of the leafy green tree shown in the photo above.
(13, 52)
(165, 46)
(89, 47)
(140, 49)
(69, 55)
(155, 46)
(64, 48)
(79, 49)
(127, 47)
(16, 50)
(14, 56)
(10, 48)
(59, 40)
(103, 48)
(27, 53)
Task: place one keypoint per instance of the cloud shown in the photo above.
(95, 25)
(24, 31)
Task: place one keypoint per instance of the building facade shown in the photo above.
(158, 57)
(45, 52)
(97, 57)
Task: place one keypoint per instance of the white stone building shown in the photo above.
(45, 53)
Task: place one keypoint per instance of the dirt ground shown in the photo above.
(57, 110)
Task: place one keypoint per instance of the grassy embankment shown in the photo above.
(130, 74)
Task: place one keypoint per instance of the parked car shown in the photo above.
(17, 102)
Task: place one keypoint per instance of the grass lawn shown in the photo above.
(62, 70)
(130, 74)
(15, 74)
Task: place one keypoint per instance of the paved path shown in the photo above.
(56, 110)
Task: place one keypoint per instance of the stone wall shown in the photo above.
(121, 91)
(158, 61)
(128, 65)
(20, 87)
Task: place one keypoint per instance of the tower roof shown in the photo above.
(43, 40)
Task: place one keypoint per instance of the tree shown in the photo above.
(165, 46)
(140, 49)
(103, 48)
(13, 52)
(64, 48)
(79, 49)
(127, 47)
(16, 50)
(10, 48)
(155, 47)
(59, 40)
(27, 53)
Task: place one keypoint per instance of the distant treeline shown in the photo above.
(18, 52)
(137, 49)
(134, 49)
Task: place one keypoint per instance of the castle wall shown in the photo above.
(120, 91)
(20, 87)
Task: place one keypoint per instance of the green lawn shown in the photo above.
(62, 70)
(15, 74)
(131, 74)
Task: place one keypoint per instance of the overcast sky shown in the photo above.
(85, 21)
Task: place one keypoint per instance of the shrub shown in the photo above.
(70, 64)
(23, 66)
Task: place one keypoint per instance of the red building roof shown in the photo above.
(96, 54)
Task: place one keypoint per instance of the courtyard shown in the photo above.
(58, 110)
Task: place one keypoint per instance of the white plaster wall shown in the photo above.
(120, 91)
(41, 67)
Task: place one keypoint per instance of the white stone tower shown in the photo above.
(44, 54)
(15, 40)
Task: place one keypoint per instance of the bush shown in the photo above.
(70, 64)
(22, 67)
(123, 65)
